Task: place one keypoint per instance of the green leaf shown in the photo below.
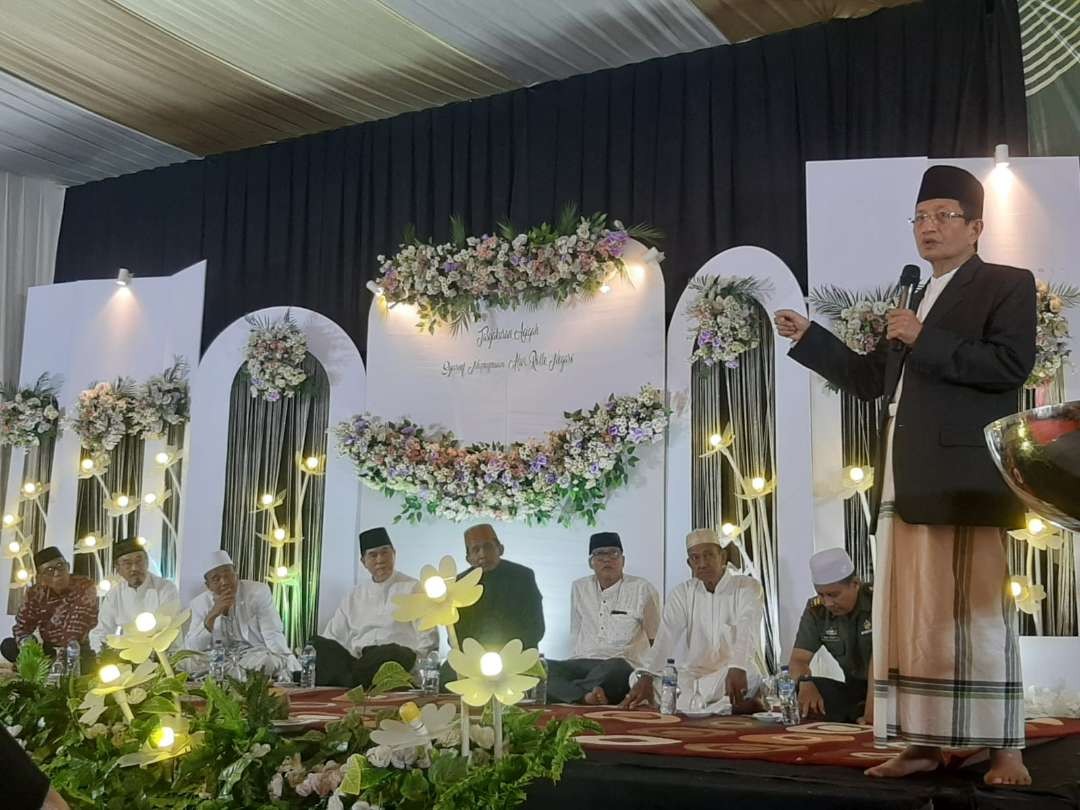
(357, 694)
(414, 786)
(458, 234)
(568, 219)
(231, 775)
(32, 664)
(446, 769)
(353, 779)
(390, 677)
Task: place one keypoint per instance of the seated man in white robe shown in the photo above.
(715, 617)
(613, 619)
(241, 614)
(363, 634)
(139, 591)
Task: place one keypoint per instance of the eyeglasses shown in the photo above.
(53, 570)
(606, 554)
(941, 218)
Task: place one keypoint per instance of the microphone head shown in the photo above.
(909, 276)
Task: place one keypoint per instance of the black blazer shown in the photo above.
(975, 351)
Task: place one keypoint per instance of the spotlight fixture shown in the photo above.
(1001, 155)
(123, 278)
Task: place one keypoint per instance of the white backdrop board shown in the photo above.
(511, 377)
(204, 495)
(96, 331)
(858, 238)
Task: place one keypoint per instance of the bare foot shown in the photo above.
(597, 697)
(1007, 768)
(915, 759)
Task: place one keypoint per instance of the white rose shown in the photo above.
(379, 756)
(403, 758)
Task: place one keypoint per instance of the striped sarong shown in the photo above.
(946, 657)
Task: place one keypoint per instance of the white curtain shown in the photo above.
(30, 213)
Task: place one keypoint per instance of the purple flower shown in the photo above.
(615, 430)
(408, 430)
(594, 468)
(552, 478)
(450, 266)
(637, 434)
(538, 463)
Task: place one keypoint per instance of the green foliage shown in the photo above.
(32, 664)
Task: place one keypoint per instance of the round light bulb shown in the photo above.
(311, 462)
(727, 529)
(758, 483)
(9, 520)
(150, 498)
(140, 540)
(22, 575)
(282, 571)
(162, 457)
(605, 288)
(857, 474)
(409, 712)
(1035, 525)
(89, 541)
(266, 499)
(279, 534)
(716, 440)
(435, 587)
(122, 501)
(87, 464)
(490, 664)
(1016, 589)
(164, 737)
(104, 586)
(109, 673)
(145, 622)
(14, 547)
(29, 488)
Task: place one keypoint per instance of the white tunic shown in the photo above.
(123, 603)
(252, 630)
(709, 633)
(616, 622)
(366, 618)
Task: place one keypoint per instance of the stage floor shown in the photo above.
(655, 782)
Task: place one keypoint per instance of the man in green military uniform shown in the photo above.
(839, 619)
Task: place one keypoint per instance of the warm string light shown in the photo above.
(140, 540)
(122, 501)
(87, 464)
(14, 547)
(311, 462)
(89, 541)
(280, 534)
(728, 529)
(162, 457)
(1016, 589)
(757, 483)
(716, 440)
(149, 498)
(1035, 525)
(267, 499)
(29, 488)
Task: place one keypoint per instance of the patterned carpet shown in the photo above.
(647, 732)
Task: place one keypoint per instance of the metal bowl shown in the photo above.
(1038, 454)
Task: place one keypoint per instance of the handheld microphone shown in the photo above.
(909, 281)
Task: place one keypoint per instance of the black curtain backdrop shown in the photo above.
(709, 146)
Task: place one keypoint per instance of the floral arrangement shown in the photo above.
(858, 319)
(726, 319)
(141, 737)
(274, 358)
(450, 282)
(28, 415)
(162, 402)
(1052, 332)
(109, 411)
(569, 474)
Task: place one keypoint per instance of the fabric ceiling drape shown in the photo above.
(709, 146)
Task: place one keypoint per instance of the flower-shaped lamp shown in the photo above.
(1027, 595)
(171, 739)
(311, 464)
(416, 726)
(121, 504)
(756, 486)
(113, 681)
(10, 520)
(32, 490)
(855, 479)
(485, 674)
(1039, 533)
(92, 542)
(282, 575)
(167, 457)
(150, 633)
(437, 596)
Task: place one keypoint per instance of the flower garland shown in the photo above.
(449, 283)
(141, 737)
(109, 411)
(1052, 332)
(28, 415)
(727, 319)
(858, 318)
(569, 474)
(274, 358)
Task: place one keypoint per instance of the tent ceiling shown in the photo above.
(94, 88)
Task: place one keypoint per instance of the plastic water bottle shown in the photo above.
(217, 661)
(74, 653)
(429, 673)
(669, 688)
(789, 697)
(539, 692)
(58, 669)
(307, 667)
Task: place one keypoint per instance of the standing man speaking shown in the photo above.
(946, 663)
